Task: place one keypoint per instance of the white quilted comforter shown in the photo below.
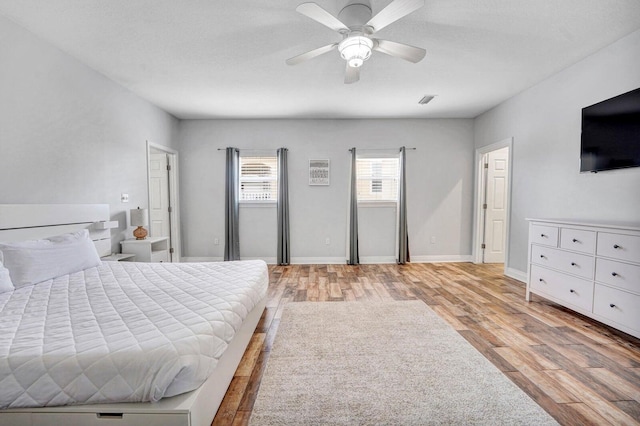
(122, 332)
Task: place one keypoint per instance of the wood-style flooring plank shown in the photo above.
(250, 357)
(561, 412)
(606, 409)
(586, 416)
(229, 406)
(620, 384)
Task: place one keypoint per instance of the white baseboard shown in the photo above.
(268, 260)
(272, 260)
(453, 258)
(370, 260)
(516, 274)
(201, 259)
(318, 261)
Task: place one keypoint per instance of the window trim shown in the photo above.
(378, 204)
(256, 204)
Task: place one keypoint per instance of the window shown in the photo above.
(378, 178)
(258, 179)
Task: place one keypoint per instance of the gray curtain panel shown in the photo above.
(403, 234)
(283, 208)
(231, 202)
(353, 257)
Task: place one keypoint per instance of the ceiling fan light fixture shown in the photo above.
(355, 50)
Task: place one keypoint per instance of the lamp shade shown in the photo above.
(139, 217)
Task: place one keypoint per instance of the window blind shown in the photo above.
(377, 178)
(258, 179)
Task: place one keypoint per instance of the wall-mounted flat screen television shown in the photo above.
(611, 134)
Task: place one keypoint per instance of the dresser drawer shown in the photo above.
(545, 235)
(617, 246)
(569, 262)
(618, 274)
(570, 290)
(618, 306)
(578, 240)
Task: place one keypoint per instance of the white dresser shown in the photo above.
(593, 269)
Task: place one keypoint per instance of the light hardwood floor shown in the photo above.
(581, 372)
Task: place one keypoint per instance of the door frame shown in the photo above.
(478, 211)
(174, 215)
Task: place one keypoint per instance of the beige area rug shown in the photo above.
(387, 363)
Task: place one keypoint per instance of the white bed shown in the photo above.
(186, 323)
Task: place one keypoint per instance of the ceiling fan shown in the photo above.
(357, 28)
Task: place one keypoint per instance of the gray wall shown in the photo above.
(545, 124)
(440, 185)
(69, 134)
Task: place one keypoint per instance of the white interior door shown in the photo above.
(159, 201)
(496, 205)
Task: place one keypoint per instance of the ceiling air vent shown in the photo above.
(426, 99)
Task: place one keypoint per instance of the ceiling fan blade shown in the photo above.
(315, 12)
(394, 11)
(400, 50)
(311, 54)
(351, 74)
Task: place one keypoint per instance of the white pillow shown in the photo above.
(5, 279)
(31, 262)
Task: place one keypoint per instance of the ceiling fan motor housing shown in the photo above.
(355, 14)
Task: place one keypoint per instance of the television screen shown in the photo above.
(611, 134)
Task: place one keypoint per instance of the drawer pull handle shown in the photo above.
(611, 305)
(543, 235)
(615, 274)
(615, 246)
(109, 415)
(573, 264)
(541, 280)
(575, 241)
(542, 256)
(572, 291)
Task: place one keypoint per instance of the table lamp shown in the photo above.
(139, 218)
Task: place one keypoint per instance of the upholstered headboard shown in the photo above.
(20, 222)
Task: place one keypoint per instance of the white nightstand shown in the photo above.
(153, 249)
(119, 257)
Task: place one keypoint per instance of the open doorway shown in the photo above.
(162, 174)
(492, 207)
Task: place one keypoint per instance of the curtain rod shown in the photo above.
(253, 149)
(381, 149)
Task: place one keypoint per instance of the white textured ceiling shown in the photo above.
(226, 59)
